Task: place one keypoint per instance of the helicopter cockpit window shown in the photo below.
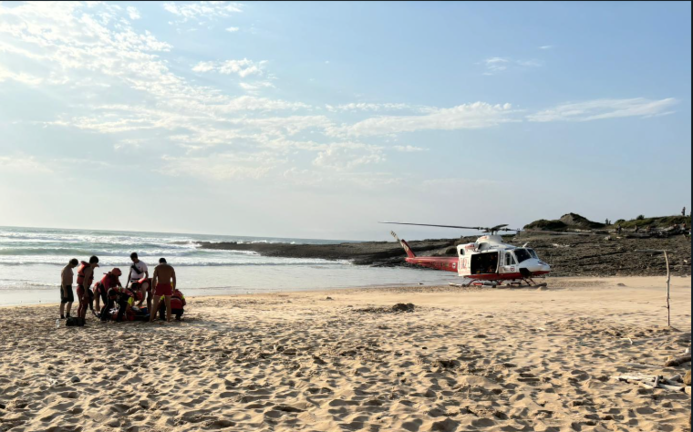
(522, 255)
(509, 260)
(534, 254)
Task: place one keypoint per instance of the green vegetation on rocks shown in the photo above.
(656, 222)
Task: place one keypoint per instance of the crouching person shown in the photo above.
(125, 298)
(144, 290)
(177, 306)
(109, 280)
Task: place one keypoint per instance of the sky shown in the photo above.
(317, 120)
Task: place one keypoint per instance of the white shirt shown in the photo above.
(142, 267)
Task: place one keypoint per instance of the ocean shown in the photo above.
(31, 260)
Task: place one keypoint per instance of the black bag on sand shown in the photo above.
(75, 322)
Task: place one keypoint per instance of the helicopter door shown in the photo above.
(485, 263)
(509, 263)
(463, 262)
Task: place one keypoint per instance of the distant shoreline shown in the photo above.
(569, 256)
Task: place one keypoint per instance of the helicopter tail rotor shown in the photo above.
(404, 245)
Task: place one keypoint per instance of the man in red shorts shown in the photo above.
(85, 276)
(163, 283)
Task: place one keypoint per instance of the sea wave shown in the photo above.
(98, 251)
(183, 261)
(34, 246)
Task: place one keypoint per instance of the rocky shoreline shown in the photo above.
(603, 255)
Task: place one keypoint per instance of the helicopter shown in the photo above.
(487, 261)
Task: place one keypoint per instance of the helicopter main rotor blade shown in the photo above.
(496, 228)
(532, 231)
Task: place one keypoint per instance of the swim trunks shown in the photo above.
(66, 294)
(163, 289)
(81, 292)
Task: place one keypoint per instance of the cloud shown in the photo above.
(529, 63)
(378, 107)
(495, 65)
(604, 109)
(453, 186)
(331, 180)
(20, 77)
(242, 68)
(348, 155)
(133, 13)
(197, 119)
(71, 45)
(232, 29)
(223, 166)
(255, 86)
(202, 12)
(545, 47)
(23, 164)
(467, 116)
(114, 81)
(128, 144)
(409, 149)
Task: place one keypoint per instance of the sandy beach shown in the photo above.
(465, 359)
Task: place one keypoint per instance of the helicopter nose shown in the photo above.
(538, 266)
(543, 266)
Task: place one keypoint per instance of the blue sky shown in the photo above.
(319, 119)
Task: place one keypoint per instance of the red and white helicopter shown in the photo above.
(486, 261)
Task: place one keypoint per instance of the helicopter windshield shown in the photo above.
(522, 255)
(534, 254)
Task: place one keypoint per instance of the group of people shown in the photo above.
(109, 300)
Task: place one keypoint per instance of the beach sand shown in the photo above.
(466, 359)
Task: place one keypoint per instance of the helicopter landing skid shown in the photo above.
(528, 283)
(467, 283)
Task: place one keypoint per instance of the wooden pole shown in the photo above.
(666, 258)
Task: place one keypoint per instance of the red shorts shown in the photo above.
(81, 293)
(163, 289)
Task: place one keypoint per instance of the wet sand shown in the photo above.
(466, 359)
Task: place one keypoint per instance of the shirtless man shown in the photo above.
(163, 284)
(66, 294)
